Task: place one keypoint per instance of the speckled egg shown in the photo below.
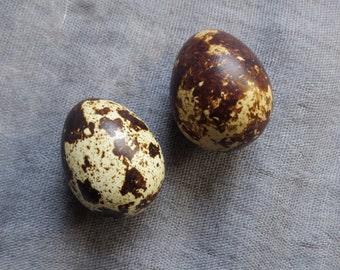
(113, 163)
(220, 93)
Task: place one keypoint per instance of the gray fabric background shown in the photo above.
(272, 205)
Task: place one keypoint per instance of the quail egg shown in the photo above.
(113, 162)
(220, 93)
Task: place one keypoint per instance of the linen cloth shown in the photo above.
(274, 204)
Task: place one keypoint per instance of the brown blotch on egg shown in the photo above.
(103, 111)
(89, 193)
(86, 164)
(135, 123)
(134, 181)
(153, 150)
(121, 148)
(111, 126)
(76, 125)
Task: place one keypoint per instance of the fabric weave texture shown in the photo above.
(274, 204)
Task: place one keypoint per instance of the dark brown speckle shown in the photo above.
(154, 150)
(88, 192)
(133, 182)
(86, 164)
(75, 124)
(103, 111)
(135, 123)
(121, 148)
(111, 126)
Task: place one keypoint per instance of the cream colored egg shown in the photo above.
(113, 162)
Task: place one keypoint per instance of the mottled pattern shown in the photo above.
(221, 94)
(272, 205)
(112, 160)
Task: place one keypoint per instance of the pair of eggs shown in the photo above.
(221, 99)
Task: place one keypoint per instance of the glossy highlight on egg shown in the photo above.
(113, 162)
(220, 93)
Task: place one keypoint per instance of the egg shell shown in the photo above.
(113, 162)
(220, 93)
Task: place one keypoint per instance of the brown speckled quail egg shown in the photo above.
(113, 163)
(221, 95)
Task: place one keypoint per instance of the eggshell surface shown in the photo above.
(221, 95)
(113, 162)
